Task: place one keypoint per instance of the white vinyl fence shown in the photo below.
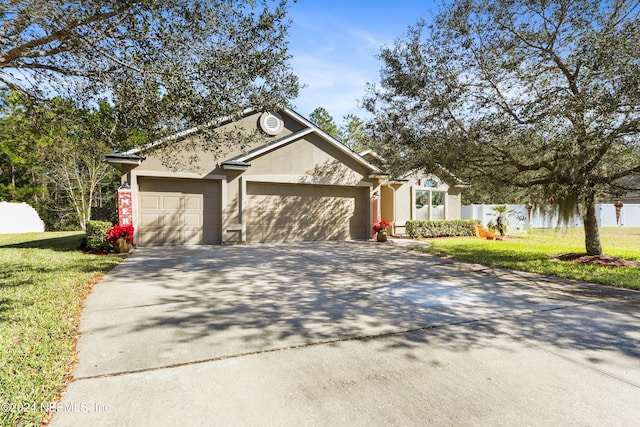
(606, 215)
(19, 218)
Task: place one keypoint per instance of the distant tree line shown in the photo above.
(352, 133)
(52, 158)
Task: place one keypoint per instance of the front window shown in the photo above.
(422, 204)
(430, 204)
(437, 204)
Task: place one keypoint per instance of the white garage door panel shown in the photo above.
(285, 212)
(150, 220)
(170, 219)
(192, 220)
(178, 211)
(171, 202)
(149, 202)
(192, 202)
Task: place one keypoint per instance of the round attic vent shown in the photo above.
(271, 123)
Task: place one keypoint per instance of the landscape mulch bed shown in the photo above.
(604, 260)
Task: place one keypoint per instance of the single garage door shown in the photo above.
(294, 212)
(178, 211)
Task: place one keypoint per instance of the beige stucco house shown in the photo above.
(418, 196)
(297, 183)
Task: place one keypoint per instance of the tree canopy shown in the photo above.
(166, 64)
(52, 157)
(20, 151)
(538, 95)
(351, 133)
(321, 118)
(354, 133)
(79, 78)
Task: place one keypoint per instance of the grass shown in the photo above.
(534, 253)
(44, 278)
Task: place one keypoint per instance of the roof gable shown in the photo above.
(308, 128)
(305, 128)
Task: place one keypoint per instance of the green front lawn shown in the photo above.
(44, 278)
(534, 253)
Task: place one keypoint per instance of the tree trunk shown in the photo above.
(591, 230)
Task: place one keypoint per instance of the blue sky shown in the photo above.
(334, 43)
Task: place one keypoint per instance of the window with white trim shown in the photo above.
(429, 204)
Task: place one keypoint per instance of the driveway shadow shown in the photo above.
(173, 306)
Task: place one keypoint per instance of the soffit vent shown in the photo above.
(271, 123)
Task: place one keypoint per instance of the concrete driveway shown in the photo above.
(348, 333)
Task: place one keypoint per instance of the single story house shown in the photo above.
(418, 196)
(297, 184)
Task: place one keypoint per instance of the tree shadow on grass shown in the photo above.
(5, 306)
(14, 274)
(63, 243)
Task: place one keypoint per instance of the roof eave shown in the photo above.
(236, 166)
(372, 153)
(124, 159)
(379, 176)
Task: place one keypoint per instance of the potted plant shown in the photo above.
(120, 236)
(380, 228)
(500, 220)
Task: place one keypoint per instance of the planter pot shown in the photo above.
(382, 235)
(121, 245)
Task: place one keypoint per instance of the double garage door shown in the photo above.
(188, 211)
(297, 212)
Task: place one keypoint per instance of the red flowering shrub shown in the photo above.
(118, 231)
(381, 225)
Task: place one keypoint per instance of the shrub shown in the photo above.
(96, 235)
(444, 228)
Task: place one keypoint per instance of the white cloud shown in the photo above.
(334, 46)
(331, 83)
(371, 43)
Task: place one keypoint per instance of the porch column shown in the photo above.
(375, 208)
